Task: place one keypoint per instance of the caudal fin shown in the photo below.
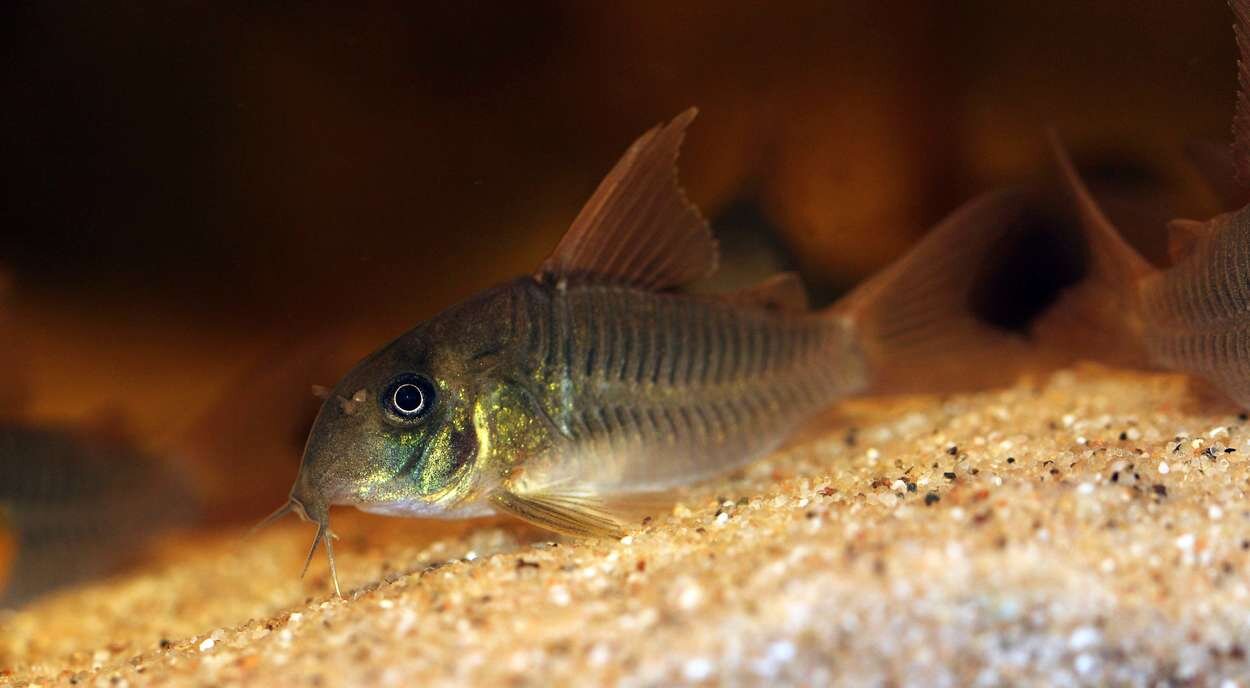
(1099, 316)
(916, 320)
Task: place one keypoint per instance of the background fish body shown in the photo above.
(1193, 316)
(75, 507)
(1196, 314)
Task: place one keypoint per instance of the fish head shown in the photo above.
(397, 434)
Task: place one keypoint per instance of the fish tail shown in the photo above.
(1098, 317)
(916, 322)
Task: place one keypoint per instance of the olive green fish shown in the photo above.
(1193, 316)
(570, 398)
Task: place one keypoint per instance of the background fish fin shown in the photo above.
(1241, 116)
(1213, 160)
(1184, 237)
(1098, 317)
(638, 228)
(566, 509)
(781, 292)
(915, 320)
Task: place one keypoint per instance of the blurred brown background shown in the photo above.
(210, 207)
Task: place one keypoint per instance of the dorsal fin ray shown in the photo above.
(781, 292)
(638, 228)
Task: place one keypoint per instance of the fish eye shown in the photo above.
(409, 397)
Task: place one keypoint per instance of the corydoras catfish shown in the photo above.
(1193, 316)
(570, 397)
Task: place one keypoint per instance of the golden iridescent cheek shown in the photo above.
(421, 462)
(434, 468)
(510, 427)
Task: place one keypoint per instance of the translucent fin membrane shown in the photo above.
(915, 321)
(1100, 316)
(638, 228)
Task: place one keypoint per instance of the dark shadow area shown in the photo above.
(1041, 256)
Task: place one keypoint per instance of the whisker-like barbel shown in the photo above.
(272, 518)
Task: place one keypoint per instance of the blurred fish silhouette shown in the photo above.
(74, 507)
(73, 503)
(1193, 316)
(79, 502)
(572, 397)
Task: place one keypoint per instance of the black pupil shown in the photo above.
(408, 398)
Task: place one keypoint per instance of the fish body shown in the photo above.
(600, 390)
(622, 390)
(656, 390)
(572, 397)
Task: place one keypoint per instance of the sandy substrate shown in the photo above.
(1092, 529)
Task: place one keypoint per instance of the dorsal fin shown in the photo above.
(1112, 257)
(1184, 236)
(638, 229)
(1099, 316)
(1241, 116)
(781, 292)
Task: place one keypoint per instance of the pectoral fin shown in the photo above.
(569, 513)
(580, 511)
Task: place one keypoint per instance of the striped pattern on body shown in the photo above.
(661, 389)
(1196, 312)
